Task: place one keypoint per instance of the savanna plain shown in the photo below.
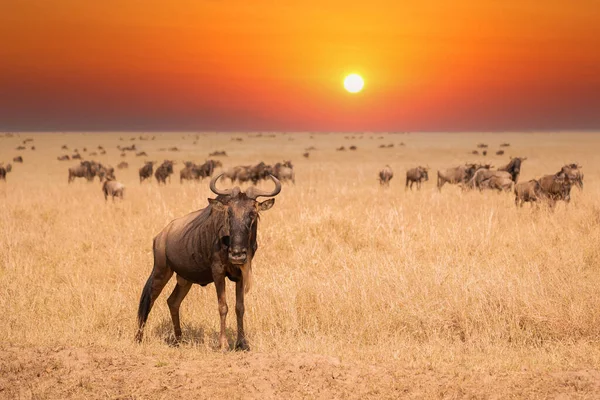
(359, 291)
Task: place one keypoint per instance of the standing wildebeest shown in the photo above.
(123, 165)
(18, 159)
(189, 172)
(207, 169)
(164, 171)
(4, 170)
(558, 186)
(573, 170)
(513, 168)
(103, 172)
(83, 170)
(112, 188)
(146, 171)
(386, 175)
(460, 174)
(417, 175)
(63, 158)
(284, 171)
(527, 192)
(207, 246)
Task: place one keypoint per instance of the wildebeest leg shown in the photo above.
(440, 182)
(406, 186)
(222, 298)
(240, 343)
(181, 290)
(419, 185)
(154, 285)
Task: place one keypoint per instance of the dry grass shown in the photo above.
(424, 280)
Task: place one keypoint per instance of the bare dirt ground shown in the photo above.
(360, 291)
(39, 373)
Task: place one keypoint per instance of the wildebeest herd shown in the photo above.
(219, 241)
(549, 188)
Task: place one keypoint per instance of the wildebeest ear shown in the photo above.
(216, 204)
(265, 205)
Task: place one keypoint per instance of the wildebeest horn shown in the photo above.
(254, 192)
(213, 186)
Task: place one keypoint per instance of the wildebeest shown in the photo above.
(284, 171)
(164, 171)
(146, 171)
(417, 175)
(530, 191)
(188, 172)
(127, 148)
(245, 173)
(460, 174)
(103, 172)
(218, 153)
(475, 152)
(21, 148)
(208, 246)
(93, 153)
(112, 188)
(505, 145)
(386, 175)
(513, 168)
(500, 152)
(64, 147)
(18, 159)
(4, 170)
(558, 186)
(141, 154)
(306, 155)
(482, 145)
(123, 165)
(76, 156)
(482, 174)
(574, 171)
(352, 147)
(499, 183)
(83, 170)
(341, 148)
(197, 172)
(63, 158)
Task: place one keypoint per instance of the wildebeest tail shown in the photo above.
(145, 301)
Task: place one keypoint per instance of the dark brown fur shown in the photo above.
(203, 247)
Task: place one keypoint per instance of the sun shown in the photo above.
(354, 83)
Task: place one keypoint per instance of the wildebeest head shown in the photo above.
(241, 216)
(573, 174)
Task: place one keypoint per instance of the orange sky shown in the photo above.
(269, 65)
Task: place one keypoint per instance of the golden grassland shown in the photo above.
(421, 294)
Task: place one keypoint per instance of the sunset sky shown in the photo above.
(256, 65)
